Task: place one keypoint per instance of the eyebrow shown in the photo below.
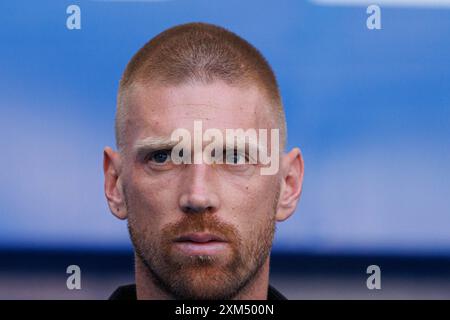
(146, 145)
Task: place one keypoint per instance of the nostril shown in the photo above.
(198, 203)
(196, 209)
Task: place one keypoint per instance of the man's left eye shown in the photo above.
(235, 158)
(160, 157)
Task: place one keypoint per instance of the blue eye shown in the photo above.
(234, 158)
(160, 156)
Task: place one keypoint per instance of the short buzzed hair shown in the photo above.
(199, 52)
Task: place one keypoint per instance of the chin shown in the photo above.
(209, 283)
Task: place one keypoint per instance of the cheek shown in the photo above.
(252, 203)
(151, 198)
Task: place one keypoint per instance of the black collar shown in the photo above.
(128, 292)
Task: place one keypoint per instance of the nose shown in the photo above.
(199, 194)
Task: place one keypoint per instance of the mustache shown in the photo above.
(201, 222)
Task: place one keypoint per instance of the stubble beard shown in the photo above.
(207, 277)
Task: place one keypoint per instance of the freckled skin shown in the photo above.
(238, 203)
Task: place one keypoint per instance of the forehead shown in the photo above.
(156, 110)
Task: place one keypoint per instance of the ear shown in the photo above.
(291, 184)
(113, 183)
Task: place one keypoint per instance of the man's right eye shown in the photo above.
(159, 157)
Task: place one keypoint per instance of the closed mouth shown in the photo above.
(200, 237)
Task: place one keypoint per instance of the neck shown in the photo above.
(146, 288)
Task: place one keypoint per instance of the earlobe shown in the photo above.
(113, 184)
(291, 184)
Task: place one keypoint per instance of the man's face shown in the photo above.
(173, 210)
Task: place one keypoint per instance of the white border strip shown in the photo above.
(386, 3)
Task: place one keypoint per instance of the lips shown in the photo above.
(201, 243)
(200, 237)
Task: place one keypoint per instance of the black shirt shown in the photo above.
(128, 292)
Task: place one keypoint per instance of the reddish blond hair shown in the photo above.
(199, 52)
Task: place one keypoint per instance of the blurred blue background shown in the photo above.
(370, 110)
